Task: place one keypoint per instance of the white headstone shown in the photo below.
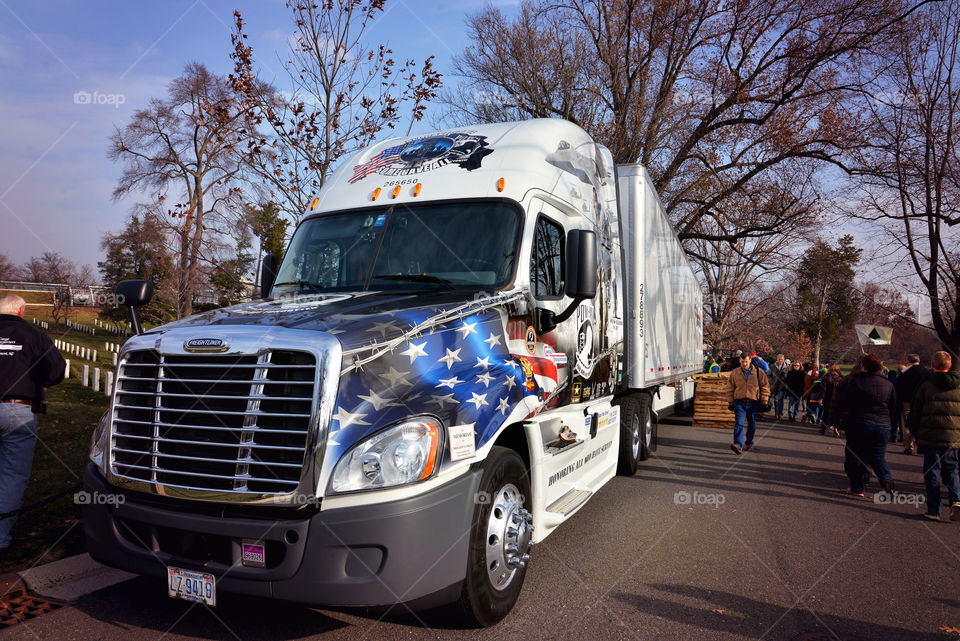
(108, 384)
(85, 376)
(66, 370)
(114, 359)
(96, 379)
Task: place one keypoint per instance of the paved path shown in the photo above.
(701, 544)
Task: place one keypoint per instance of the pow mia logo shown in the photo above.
(426, 153)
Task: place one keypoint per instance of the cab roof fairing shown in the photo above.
(543, 154)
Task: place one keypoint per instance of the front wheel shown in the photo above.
(500, 539)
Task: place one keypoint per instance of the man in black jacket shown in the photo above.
(907, 384)
(28, 363)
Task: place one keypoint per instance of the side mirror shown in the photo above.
(580, 278)
(134, 294)
(268, 274)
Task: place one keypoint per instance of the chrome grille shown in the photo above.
(222, 423)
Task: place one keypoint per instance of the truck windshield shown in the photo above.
(454, 245)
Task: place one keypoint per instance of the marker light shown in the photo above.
(417, 188)
(500, 184)
(313, 205)
(396, 191)
(376, 193)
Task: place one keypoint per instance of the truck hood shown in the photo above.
(355, 318)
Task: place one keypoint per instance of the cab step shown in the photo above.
(569, 502)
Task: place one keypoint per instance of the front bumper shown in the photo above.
(411, 551)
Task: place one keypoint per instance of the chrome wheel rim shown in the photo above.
(635, 436)
(509, 536)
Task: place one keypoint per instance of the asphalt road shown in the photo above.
(700, 544)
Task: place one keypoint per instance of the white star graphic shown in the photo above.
(383, 328)
(377, 401)
(485, 378)
(451, 357)
(483, 362)
(414, 351)
(346, 418)
(442, 401)
(503, 406)
(478, 399)
(510, 382)
(449, 382)
(395, 378)
(493, 340)
(467, 329)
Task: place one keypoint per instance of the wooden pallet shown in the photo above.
(711, 399)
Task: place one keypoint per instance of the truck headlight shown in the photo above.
(404, 453)
(98, 444)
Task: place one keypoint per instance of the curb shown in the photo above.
(68, 579)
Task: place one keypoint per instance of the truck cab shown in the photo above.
(450, 361)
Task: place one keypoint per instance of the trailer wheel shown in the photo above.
(500, 540)
(637, 433)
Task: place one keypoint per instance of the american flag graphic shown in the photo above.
(384, 158)
(462, 372)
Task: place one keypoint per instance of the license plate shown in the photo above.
(193, 586)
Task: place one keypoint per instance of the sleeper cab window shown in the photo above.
(546, 259)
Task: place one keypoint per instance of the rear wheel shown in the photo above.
(637, 432)
(500, 540)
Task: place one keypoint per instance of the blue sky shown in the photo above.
(55, 178)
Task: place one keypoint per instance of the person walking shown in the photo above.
(778, 384)
(815, 402)
(28, 363)
(809, 377)
(749, 390)
(865, 406)
(907, 383)
(795, 379)
(934, 421)
(830, 383)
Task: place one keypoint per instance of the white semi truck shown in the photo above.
(461, 345)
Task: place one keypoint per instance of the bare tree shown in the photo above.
(343, 94)
(187, 144)
(910, 174)
(8, 270)
(710, 97)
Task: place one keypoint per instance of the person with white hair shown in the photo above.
(29, 362)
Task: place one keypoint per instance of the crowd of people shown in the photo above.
(870, 407)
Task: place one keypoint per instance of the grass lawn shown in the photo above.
(54, 531)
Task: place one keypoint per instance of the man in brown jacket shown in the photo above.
(749, 389)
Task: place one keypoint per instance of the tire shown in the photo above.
(501, 518)
(637, 433)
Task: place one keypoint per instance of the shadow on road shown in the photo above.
(743, 616)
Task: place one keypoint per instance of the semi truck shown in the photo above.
(460, 346)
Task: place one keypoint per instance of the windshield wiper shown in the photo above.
(418, 278)
(300, 284)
